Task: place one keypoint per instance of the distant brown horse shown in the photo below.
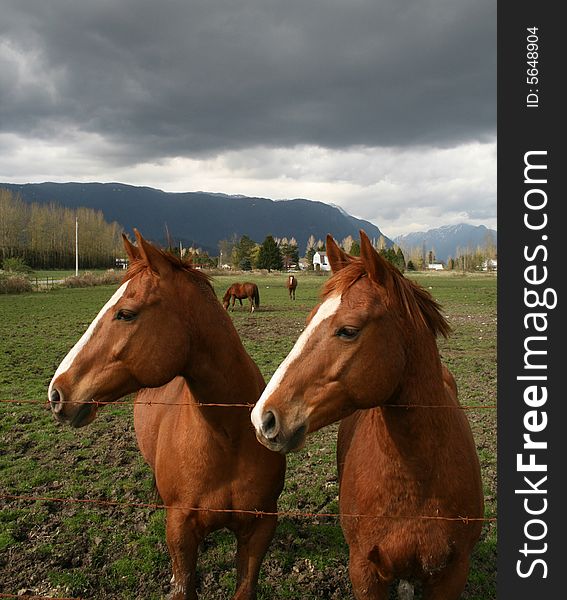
(410, 488)
(291, 285)
(165, 327)
(239, 291)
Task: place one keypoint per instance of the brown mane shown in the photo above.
(138, 265)
(417, 303)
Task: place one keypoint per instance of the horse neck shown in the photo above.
(219, 370)
(421, 386)
(422, 379)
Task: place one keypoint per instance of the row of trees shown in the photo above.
(273, 254)
(283, 253)
(43, 235)
(480, 257)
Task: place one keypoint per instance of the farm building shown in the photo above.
(321, 262)
(435, 267)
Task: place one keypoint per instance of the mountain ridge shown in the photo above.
(446, 240)
(201, 218)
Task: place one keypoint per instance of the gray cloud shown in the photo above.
(178, 78)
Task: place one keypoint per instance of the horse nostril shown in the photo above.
(269, 425)
(55, 399)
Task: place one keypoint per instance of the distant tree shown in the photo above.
(245, 264)
(411, 266)
(269, 257)
(43, 235)
(381, 245)
(225, 249)
(489, 247)
(310, 251)
(289, 253)
(310, 244)
(400, 260)
(346, 244)
(242, 252)
(395, 257)
(16, 264)
(355, 248)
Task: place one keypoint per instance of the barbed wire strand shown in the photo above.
(45, 404)
(254, 512)
(33, 597)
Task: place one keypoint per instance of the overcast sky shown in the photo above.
(386, 108)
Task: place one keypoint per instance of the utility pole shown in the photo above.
(76, 246)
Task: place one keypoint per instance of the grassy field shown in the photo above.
(52, 548)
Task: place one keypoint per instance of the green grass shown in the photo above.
(96, 551)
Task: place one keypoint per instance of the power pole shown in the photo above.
(76, 246)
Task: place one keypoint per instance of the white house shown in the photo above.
(320, 261)
(435, 267)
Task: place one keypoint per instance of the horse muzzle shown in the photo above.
(271, 433)
(76, 414)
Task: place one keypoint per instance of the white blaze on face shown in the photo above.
(68, 360)
(326, 310)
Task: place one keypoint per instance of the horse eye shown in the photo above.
(125, 315)
(348, 333)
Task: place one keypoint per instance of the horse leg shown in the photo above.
(366, 585)
(183, 541)
(449, 584)
(252, 545)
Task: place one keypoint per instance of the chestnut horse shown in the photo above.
(291, 284)
(239, 291)
(410, 490)
(165, 329)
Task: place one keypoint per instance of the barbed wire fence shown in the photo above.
(44, 404)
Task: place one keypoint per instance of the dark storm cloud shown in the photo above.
(192, 77)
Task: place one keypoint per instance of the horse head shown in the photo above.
(138, 339)
(353, 352)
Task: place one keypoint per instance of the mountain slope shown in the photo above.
(447, 240)
(200, 218)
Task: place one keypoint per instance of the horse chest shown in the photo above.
(382, 499)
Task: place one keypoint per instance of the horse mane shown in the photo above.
(138, 265)
(411, 298)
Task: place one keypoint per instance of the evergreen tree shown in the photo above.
(290, 254)
(400, 260)
(269, 257)
(242, 253)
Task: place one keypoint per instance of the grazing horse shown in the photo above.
(291, 284)
(164, 329)
(239, 291)
(410, 489)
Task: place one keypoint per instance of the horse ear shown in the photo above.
(376, 266)
(338, 259)
(131, 250)
(153, 257)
